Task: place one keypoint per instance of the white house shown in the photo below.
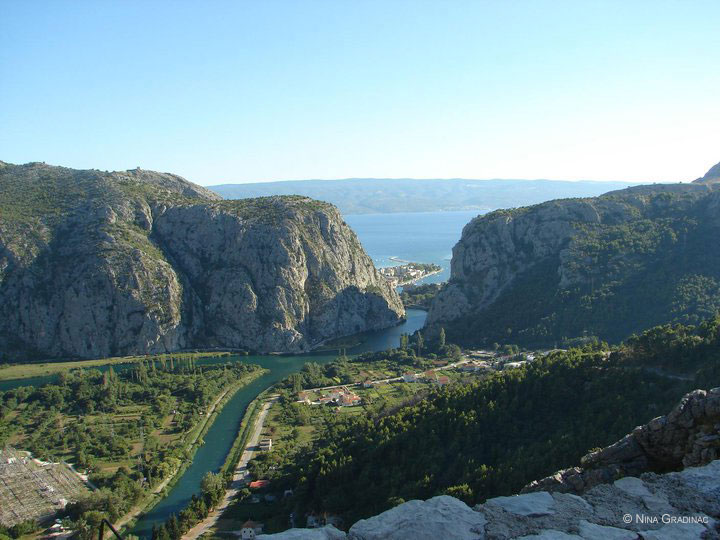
(513, 365)
(409, 377)
(250, 530)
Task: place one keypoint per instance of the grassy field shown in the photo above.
(39, 369)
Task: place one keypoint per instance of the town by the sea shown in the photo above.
(423, 237)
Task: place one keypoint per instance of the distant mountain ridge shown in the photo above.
(391, 195)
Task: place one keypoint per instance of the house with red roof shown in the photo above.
(250, 530)
(259, 484)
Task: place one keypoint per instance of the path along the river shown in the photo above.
(222, 433)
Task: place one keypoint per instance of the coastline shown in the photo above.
(415, 280)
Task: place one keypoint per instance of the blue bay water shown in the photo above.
(425, 237)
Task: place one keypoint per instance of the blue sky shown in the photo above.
(242, 91)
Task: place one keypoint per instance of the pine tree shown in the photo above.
(173, 528)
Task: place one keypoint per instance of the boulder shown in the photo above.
(436, 518)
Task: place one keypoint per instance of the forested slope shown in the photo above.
(493, 437)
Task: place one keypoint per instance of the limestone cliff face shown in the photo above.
(98, 264)
(606, 266)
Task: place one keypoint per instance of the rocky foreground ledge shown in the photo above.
(607, 503)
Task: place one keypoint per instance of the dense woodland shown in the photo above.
(131, 428)
(492, 437)
(419, 295)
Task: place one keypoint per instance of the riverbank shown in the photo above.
(240, 474)
(191, 446)
(223, 434)
(44, 368)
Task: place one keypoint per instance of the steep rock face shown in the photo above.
(98, 264)
(607, 266)
(275, 274)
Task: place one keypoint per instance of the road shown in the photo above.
(389, 380)
(239, 476)
(139, 509)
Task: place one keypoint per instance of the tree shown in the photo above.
(213, 488)
(420, 343)
(404, 341)
(441, 338)
(173, 527)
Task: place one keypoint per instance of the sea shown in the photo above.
(424, 237)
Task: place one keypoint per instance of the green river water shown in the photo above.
(219, 438)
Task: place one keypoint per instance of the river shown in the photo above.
(422, 237)
(219, 438)
(222, 433)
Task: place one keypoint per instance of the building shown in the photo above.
(512, 365)
(259, 484)
(250, 530)
(349, 399)
(343, 397)
(473, 366)
(442, 381)
(409, 377)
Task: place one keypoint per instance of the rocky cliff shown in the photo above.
(626, 502)
(607, 266)
(99, 264)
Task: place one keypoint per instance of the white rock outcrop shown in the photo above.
(327, 532)
(678, 505)
(439, 517)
